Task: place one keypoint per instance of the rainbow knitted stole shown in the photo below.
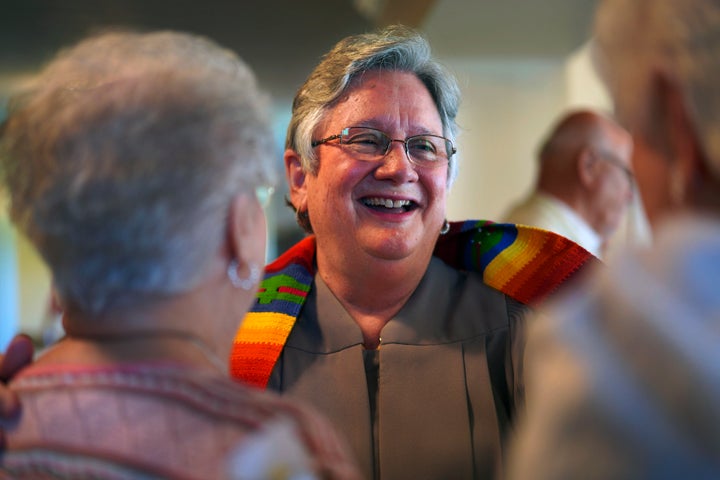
(526, 263)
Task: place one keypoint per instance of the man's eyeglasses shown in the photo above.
(613, 160)
(371, 145)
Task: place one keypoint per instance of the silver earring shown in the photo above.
(245, 283)
(445, 227)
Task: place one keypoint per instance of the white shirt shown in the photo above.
(545, 211)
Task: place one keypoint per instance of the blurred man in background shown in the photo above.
(585, 181)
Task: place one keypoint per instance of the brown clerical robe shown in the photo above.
(436, 400)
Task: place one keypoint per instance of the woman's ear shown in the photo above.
(246, 230)
(296, 177)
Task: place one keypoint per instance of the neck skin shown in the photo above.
(373, 290)
(192, 329)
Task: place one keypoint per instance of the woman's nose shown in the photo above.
(396, 164)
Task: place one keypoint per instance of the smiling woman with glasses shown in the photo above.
(417, 360)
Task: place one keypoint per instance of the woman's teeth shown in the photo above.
(386, 202)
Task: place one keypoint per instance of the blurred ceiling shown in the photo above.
(284, 39)
(509, 28)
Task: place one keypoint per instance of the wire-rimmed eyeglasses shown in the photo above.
(371, 145)
(613, 160)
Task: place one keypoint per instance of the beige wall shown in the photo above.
(506, 107)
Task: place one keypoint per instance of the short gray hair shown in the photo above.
(634, 39)
(122, 158)
(395, 48)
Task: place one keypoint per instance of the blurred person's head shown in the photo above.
(347, 67)
(585, 162)
(132, 163)
(661, 62)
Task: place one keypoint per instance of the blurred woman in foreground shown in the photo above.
(628, 382)
(134, 165)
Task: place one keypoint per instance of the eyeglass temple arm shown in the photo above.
(327, 139)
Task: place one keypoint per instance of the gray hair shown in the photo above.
(122, 158)
(395, 48)
(635, 39)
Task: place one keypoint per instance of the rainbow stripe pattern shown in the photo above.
(264, 330)
(526, 263)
